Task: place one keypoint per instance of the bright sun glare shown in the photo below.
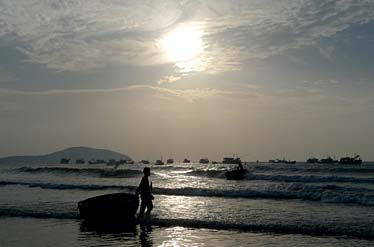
(183, 44)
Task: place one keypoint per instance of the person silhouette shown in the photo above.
(240, 166)
(144, 190)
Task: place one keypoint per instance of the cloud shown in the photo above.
(78, 35)
(263, 29)
(168, 79)
(190, 95)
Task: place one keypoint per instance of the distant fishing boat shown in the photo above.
(312, 160)
(231, 160)
(289, 162)
(145, 162)
(93, 162)
(282, 161)
(186, 161)
(130, 162)
(159, 162)
(328, 160)
(80, 161)
(64, 161)
(170, 161)
(204, 161)
(111, 162)
(356, 160)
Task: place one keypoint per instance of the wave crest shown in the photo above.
(99, 172)
(323, 193)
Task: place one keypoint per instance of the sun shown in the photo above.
(183, 43)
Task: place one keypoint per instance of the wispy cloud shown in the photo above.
(262, 28)
(77, 35)
(190, 95)
(168, 79)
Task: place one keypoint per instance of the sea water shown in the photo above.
(275, 205)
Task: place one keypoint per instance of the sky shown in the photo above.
(262, 79)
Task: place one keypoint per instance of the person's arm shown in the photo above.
(140, 186)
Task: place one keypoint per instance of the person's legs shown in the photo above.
(142, 207)
(149, 206)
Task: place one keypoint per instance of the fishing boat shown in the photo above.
(282, 161)
(64, 161)
(356, 160)
(312, 160)
(328, 160)
(80, 161)
(204, 161)
(231, 160)
(159, 162)
(236, 174)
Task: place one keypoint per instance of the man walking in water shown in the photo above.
(145, 193)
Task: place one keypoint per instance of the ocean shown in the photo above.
(274, 205)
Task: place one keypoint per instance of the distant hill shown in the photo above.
(73, 153)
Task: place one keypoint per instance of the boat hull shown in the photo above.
(109, 207)
(235, 174)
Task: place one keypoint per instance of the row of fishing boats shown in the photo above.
(226, 160)
(347, 160)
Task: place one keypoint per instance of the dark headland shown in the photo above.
(73, 153)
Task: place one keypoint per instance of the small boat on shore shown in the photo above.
(109, 207)
(145, 162)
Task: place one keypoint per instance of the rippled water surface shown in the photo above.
(287, 205)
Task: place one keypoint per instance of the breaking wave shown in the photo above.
(98, 172)
(317, 168)
(323, 193)
(67, 186)
(313, 179)
(286, 178)
(207, 173)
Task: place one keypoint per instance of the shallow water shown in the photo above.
(298, 205)
(53, 232)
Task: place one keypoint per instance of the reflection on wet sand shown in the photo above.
(115, 233)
